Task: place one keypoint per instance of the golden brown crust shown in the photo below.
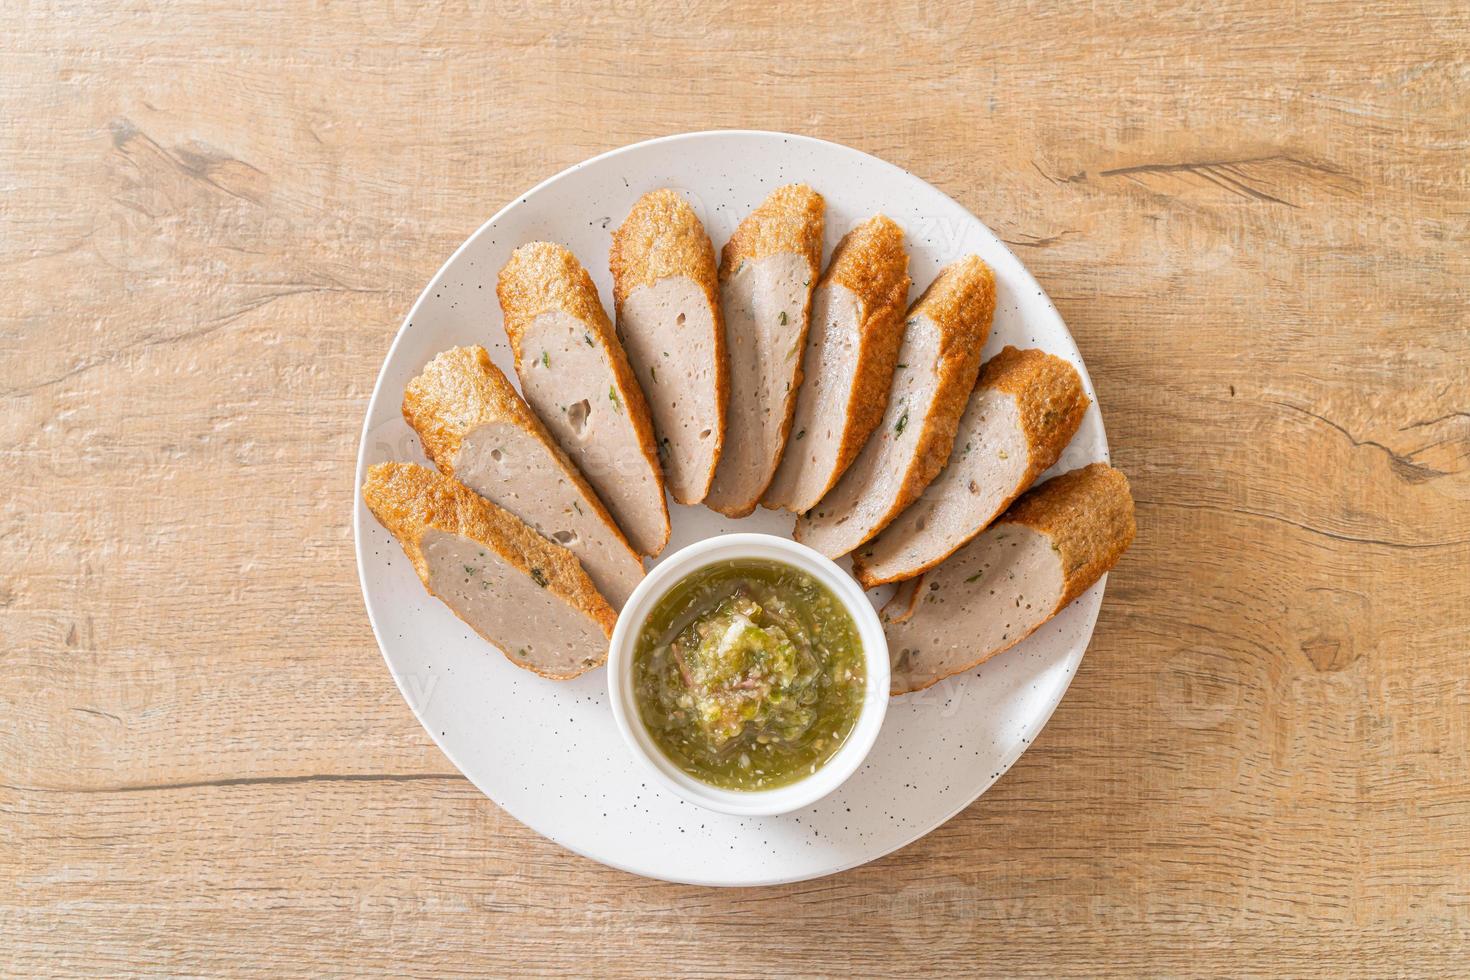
(790, 219)
(1088, 515)
(462, 389)
(963, 295)
(409, 500)
(457, 391)
(901, 606)
(872, 262)
(1050, 403)
(1049, 399)
(961, 303)
(542, 277)
(663, 237)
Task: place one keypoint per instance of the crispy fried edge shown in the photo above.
(461, 389)
(1050, 403)
(1086, 513)
(871, 262)
(1049, 399)
(541, 277)
(961, 303)
(545, 276)
(660, 238)
(901, 606)
(790, 219)
(409, 500)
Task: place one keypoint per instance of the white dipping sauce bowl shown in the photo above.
(760, 547)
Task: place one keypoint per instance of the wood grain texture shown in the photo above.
(1254, 218)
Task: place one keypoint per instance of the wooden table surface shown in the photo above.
(1255, 219)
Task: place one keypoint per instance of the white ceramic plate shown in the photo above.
(547, 751)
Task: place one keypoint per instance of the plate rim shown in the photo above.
(359, 510)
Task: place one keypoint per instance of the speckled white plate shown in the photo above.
(547, 751)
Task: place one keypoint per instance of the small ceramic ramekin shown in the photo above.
(766, 802)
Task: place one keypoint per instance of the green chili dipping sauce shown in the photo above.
(749, 674)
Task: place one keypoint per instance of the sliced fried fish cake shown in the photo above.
(524, 594)
(666, 290)
(477, 429)
(847, 367)
(576, 376)
(1025, 408)
(1052, 545)
(938, 362)
(767, 272)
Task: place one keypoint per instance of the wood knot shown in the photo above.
(1329, 623)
